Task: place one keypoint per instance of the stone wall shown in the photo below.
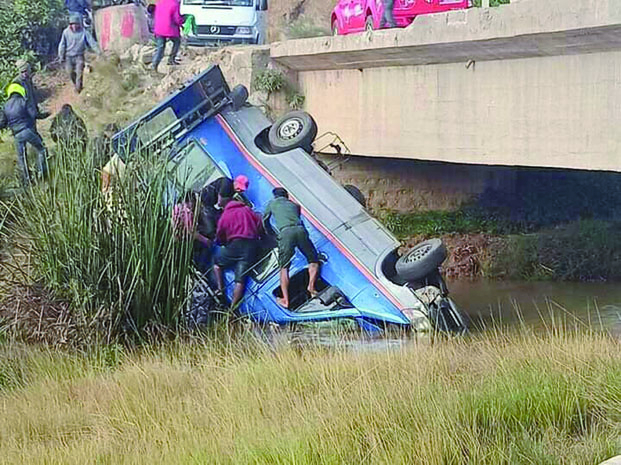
(410, 186)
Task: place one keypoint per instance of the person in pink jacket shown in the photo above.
(167, 26)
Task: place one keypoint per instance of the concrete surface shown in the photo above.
(518, 30)
(528, 84)
(120, 27)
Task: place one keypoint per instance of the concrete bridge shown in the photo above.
(533, 83)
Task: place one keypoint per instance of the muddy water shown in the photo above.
(595, 305)
(488, 304)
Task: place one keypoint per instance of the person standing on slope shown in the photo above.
(24, 79)
(20, 119)
(72, 47)
(167, 27)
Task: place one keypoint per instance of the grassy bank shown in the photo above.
(506, 400)
(560, 225)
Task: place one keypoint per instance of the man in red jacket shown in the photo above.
(167, 24)
(239, 230)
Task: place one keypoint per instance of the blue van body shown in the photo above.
(206, 137)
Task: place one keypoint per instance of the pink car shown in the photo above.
(351, 16)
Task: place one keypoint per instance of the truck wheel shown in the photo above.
(295, 129)
(421, 261)
(356, 194)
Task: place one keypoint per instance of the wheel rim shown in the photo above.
(290, 129)
(418, 254)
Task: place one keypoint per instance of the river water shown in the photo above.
(538, 304)
(488, 304)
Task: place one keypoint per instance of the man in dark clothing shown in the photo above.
(291, 235)
(69, 131)
(209, 199)
(388, 17)
(25, 80)
(20, 118)
(72, 47)
(239, 230)
(81, 7)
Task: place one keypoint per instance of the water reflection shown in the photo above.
(540, 304)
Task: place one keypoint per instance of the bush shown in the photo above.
(28, 29)
(304, 27)
(582, 251)
(117, 261)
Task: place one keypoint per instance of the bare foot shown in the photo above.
(282, 302)
(313, 293)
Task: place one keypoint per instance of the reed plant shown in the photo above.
(113, 258)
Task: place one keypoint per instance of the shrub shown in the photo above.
(116, 261)
(582, 251)
(28, 29)
(304, 27)
(269, 81)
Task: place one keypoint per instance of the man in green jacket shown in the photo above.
(291, 235)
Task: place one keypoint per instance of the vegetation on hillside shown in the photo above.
(559, 225)
(28, 29)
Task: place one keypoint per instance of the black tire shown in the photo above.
(238, 96)
(356, 194)
(295, 129)
(421, 261)
(368, 24)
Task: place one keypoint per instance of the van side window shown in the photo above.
(192, 168)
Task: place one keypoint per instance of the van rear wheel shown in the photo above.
(296, 129)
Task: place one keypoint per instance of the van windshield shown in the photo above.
(219, 2)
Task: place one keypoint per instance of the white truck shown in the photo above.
(227, 21)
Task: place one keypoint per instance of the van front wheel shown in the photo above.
(421, 261)
(295, 129)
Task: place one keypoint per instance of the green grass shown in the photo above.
(493, 399)
(431, 223)
(582, 251)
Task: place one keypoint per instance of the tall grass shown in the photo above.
(116, 261)
(494, 399)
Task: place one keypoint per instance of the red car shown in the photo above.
(351, 16)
